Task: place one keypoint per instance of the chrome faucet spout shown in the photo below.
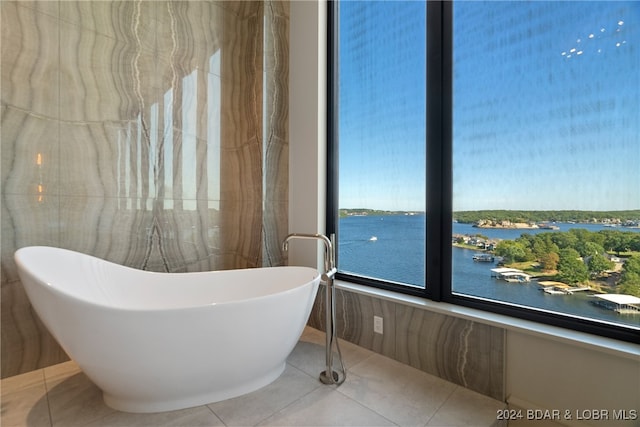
(329, 256)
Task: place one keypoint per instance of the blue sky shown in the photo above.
(546, 98)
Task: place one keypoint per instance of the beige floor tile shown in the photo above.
(378, 391)
(250, 409)
(402, 394)
(75, 401)
(60, 372)
(25, 405)
(17, 382)
(200, 416)
(326, 407)
(309, 354)
(467, 408)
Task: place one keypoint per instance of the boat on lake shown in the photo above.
(547, 226)
(483, 258)
(552, 290)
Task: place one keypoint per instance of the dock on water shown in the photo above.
(510, 274)
(559, 288)
(620, 303)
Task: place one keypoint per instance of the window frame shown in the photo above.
(439, 181)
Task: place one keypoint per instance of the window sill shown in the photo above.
(562, 335)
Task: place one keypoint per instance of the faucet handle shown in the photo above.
(328, 275)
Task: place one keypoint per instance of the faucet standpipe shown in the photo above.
(328, 376)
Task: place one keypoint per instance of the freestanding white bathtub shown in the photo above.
(163, 341)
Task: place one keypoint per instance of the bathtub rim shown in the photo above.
(151, 309)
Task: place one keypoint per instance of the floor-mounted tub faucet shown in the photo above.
(329, 376)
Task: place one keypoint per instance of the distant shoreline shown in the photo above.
(511, 226)
(516, 219)
(376, 212)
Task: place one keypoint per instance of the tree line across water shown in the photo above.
(469, 217)
(578, 255)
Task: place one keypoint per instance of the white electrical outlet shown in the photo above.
(377, 324)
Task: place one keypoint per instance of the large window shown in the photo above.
(486, 154)
(382, 104)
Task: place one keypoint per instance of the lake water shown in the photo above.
(392, 248)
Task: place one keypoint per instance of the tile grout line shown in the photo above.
(46, 394)
(366, 407)
(443, 403)
(287, 405)
(206, 405)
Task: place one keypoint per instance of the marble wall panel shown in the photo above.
(48, 7)
(121, 20)
(465, 352)
(30, 153)
(26, 343)
(276, 140)
(191, 32)
(462, 351)
(89, 160)
(276, 132)
(135, 131)
(26, 220)
(274, 230)
(354, 319)
(102, 78)
(143, 233)
(241, 233)
(30, 64)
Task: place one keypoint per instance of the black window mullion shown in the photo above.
(332, 125)
(438, 150)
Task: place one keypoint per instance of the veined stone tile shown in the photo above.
(120, 230)
(276, 170)
(354, 319)
(241, 233)
(30, 153)
(467, 353)
(49, 7)
(122, 20)
(30, 63)
(279, 8)
(275, 229)
(89, 160)
(277, 47)
(26, 343)
(103, 79)
(241, 10)
(28, 220)
(240, 170)
(189, 32)
(144, 233)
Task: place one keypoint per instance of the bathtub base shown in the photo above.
(149, 405)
